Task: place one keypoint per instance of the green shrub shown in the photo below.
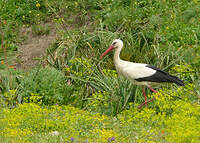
(46, 86)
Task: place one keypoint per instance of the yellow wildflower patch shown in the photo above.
(31, 119)
(10, 132)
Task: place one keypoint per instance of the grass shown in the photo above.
(72, 96)
(41, 29)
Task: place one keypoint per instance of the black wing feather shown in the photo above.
(161, 76)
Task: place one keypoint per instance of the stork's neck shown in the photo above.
(117, 55)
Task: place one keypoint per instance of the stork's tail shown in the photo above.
(176, 80)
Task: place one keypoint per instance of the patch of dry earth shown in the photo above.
(34, 47)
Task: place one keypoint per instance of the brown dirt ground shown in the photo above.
(34, 47)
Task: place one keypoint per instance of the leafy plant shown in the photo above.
(9, 81)
(45, 85)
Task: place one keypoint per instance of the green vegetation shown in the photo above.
(72, 96)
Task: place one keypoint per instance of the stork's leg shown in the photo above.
(141, 105)
(153, 90)
(145, 97)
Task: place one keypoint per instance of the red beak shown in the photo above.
(107, 51)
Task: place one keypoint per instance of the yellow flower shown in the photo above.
(38, 5)
(76, 4)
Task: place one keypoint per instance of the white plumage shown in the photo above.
(134, 71)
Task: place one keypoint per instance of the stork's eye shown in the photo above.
(114, 43)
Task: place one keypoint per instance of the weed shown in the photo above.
(45, 86)
(41, 30)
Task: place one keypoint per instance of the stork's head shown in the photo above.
(117, 43)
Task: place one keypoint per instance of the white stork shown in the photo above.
(139, 73)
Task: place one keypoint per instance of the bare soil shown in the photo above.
(34, 47)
